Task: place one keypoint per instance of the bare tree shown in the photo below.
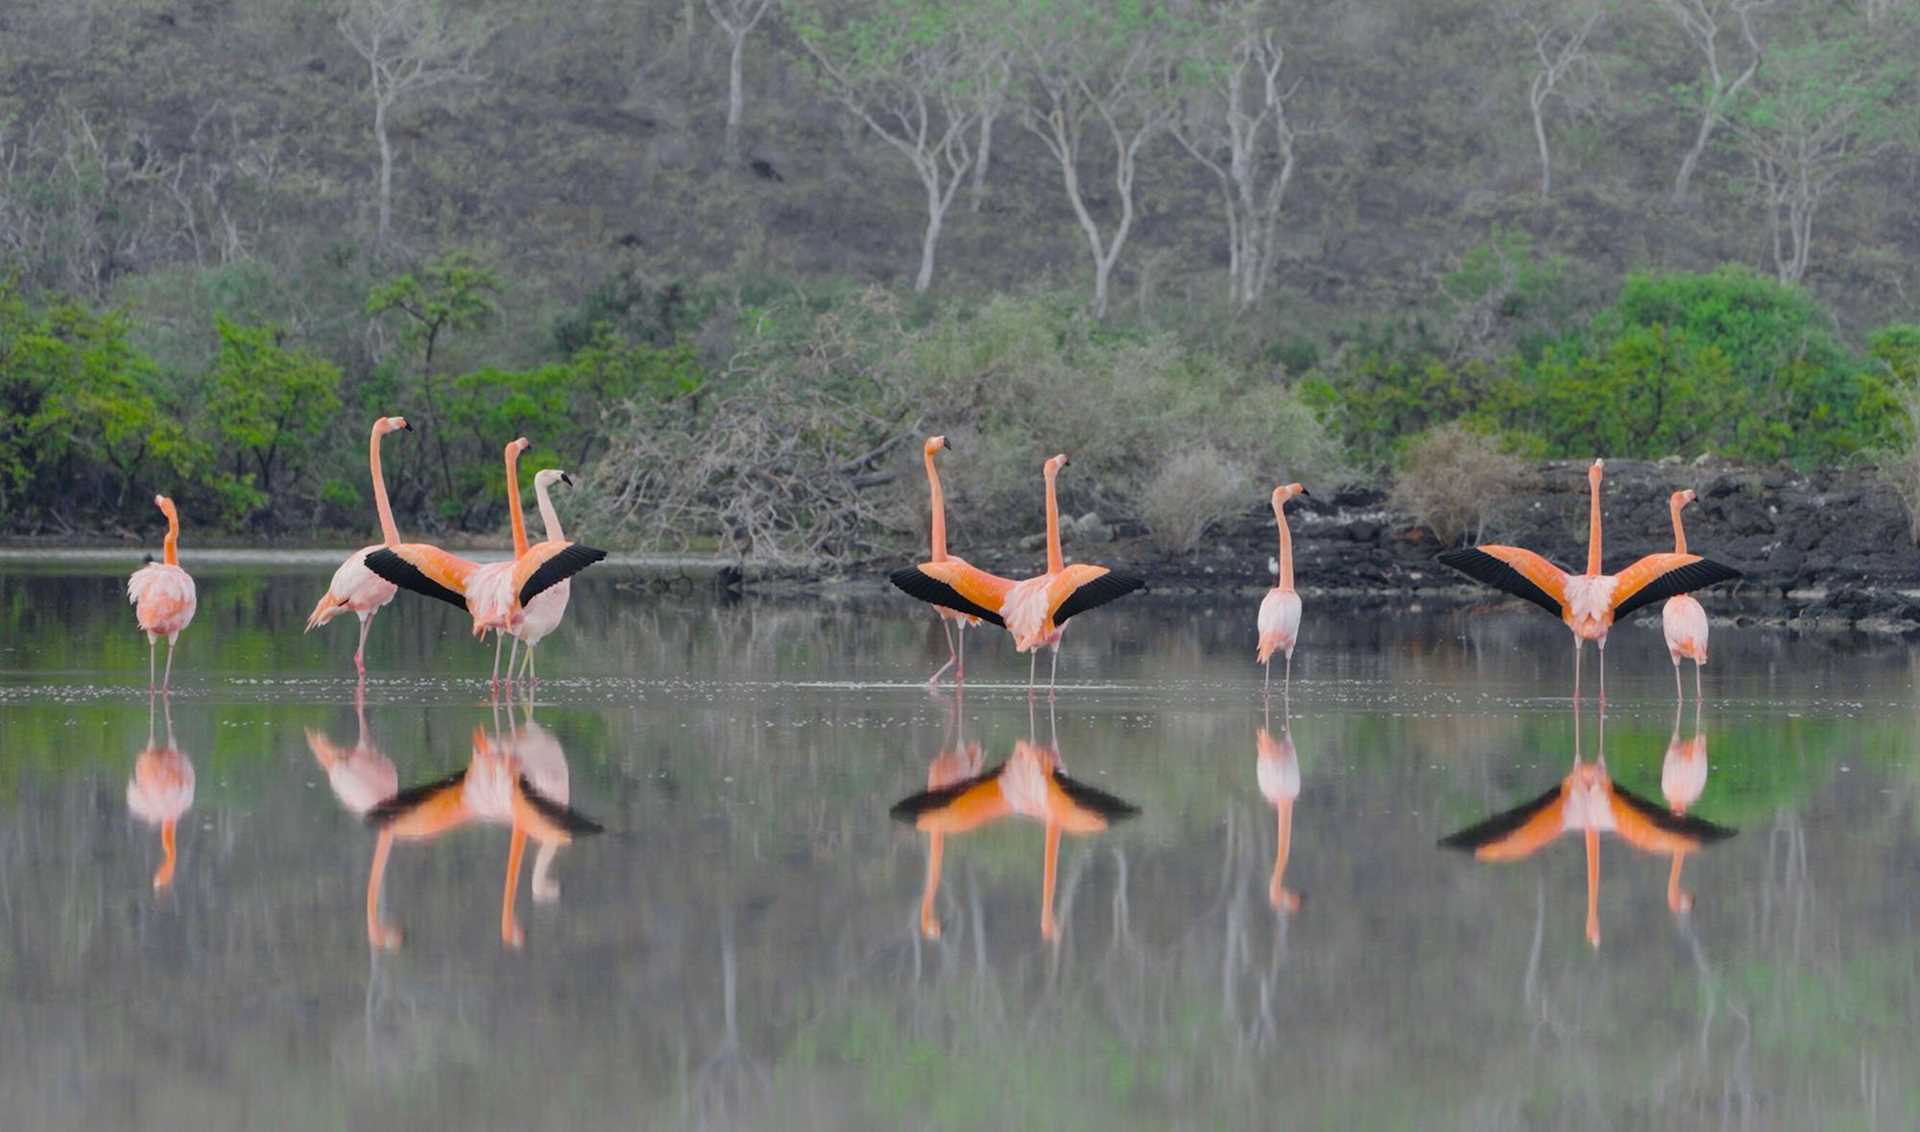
(1557, 35)
(1239, 129)
(1710, 26)
(411, 47)
(916, 72)
(1106, 70)
(1818, 111)
(1000, 77)
(737, 18)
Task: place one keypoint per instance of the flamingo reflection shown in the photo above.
(161, 789)
(1277, 767)
(1683, 777)
(1587, 802)
(505, 782)
(1031, 783)
(361, 776)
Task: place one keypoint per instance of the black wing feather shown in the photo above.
(910, 809)
(573, 821)
(1685, 579)
(933, 591)
(1107, 587)
(1093, 798)
(1483, 567)
(407, 576)
(405, 801)
(1685, 825)
(1499, 825)
(570, 561)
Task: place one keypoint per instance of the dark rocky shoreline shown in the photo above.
(1829, 549)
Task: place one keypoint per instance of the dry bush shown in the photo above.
(1451, 478)
(1193, 489)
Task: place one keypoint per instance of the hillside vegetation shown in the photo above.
(1185, 242)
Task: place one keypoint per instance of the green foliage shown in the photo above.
(270, 404)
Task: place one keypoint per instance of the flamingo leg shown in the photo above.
(1576, 669)
(1678, 900)
(1053, 670)
(1289, 680)
(152, 643)
(1696, 680)
(166, 680)
(510, 933)
(960, 669)
(1593, 887)
(1678, 695)
(930, 923)
(360, 654)
(947, 627)
(494, 683)
(1602, 649)
(533, 674)
(1266, 682)
(513, 654)
(379, 934)
(1032, 659)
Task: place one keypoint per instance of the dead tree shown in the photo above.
(737, 18)
(1723, 32)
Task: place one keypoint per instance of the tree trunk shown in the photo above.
(1540, 136)
(1684, 181)
(1102, 268)
(386, 167)
(978, 190)
(936, 216)
(736, 95)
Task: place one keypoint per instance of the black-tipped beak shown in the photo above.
(566, 479)
(1305, 492)
(408, 427)
(948, 445)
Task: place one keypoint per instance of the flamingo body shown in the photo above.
(1683, 773)
(163, 600)
(161, 789)
(354, 589)
(1684, 621)
(1277, 767)
(1279, 624)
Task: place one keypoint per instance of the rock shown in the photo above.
(1091, 528)
(1036, 542)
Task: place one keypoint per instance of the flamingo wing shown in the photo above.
(1656, 829)
(405, 802)
(547, 564)
(548, 820)
(1513, 570)
(1080, 588)
(959, 808)
(424, 569)
(1517, 833)
(956, 586)
(1660, 576)
(1080, 808)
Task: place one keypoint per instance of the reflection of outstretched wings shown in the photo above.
(1093, 808)
(1656, 829)
(1515, 833)
(410, 799)
(567, 821)
(963, 806)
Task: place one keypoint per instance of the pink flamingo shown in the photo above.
(962, 594)
(1683, 619)
(162, 595)
(1277, 767)
(433, 572)
(956, 762)
(1589, 603)
(542, 615)
(355, 588)
(1036, 609)
(161, 790)
(1280, 610)
(362, 776)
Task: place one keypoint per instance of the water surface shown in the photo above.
(744, 946)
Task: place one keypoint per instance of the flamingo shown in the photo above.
(543, 762)
(1586, 802)
(963, 595)
(1277, 768)
(361, 776)
(161, 790)
(1032, 783)
(354, 587)
(957, 761)
(433, 572)
(1280, 610)
(162, 596)
(1683, 778)
(1682, 619)
(542, 614)
(1589, 603)
(1036, 609)
(493, 788)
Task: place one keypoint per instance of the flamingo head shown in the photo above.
(385, 425)
(1054, 465)
(166, 507)
(1682, 498)
(935, 444)
(1594, 473)
(547, 476)
(518, 445)
(1287, 491)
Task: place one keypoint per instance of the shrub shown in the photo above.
(1194, 489)
(1452, 478)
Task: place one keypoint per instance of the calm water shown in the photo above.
(742, 947)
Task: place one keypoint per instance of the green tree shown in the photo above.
(269, 404)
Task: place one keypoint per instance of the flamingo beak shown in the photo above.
(566, 479)
(408, 427)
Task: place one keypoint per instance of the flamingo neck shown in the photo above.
(1283, 844)
(164, 876)
(1593, 534)
(1286, 547)
(548, 515)
(1055, 561)
(1593, 886)
(389, 532)
(939, 501)
(170, 552)
(513, 502)
(1679, 530)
